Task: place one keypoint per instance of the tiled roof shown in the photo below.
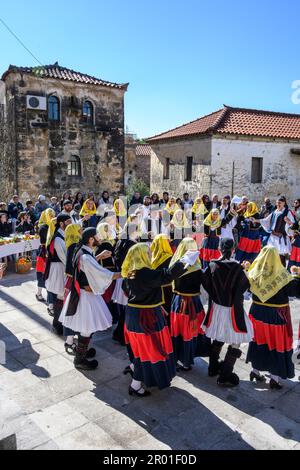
(238, 121)
(62, 73)
(143, 150)
(199, 126)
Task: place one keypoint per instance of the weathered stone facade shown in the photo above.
(36, 154)
(223, 158)
(137, 160)
(223, 166)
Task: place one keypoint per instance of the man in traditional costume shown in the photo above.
(55, 267)
(226, 321)
(85, 310)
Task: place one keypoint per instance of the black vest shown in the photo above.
(79, 281)
(52, 255)
(80, 275)
(280, 223)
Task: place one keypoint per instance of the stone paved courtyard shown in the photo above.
(50, 405)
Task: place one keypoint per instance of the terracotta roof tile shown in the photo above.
(143, 150)
(62, 73)
(238, 121)
(199, 126)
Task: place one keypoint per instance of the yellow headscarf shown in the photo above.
(103, 229)
(183, 223)
(119, 208)
(137, 258)
(46, 216)
(251, 210)
(86, 211)
(51, 230)
(199, 209)
(72, 234)
(213, 224)
(172, 207)
(267, 275)
(185, 245)
(161, 250)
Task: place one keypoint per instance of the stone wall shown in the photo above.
(213, 167)
(130, 159)
(7, 146)
(143, 168)
(42, 148)
(177, 151)
(281, 170)
(136, 166)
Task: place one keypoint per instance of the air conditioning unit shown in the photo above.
(36, 102)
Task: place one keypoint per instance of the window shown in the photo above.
(53, 108)
(189, 169)
(88, 112)
(257, 170)
(74, 166)
(166, 169)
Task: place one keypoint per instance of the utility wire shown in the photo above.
(19, 41)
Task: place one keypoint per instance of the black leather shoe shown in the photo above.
(70, 349)
(180, 368)
(275, 385)
(257, 377)
(214, 370)
(136, 393)
(84, 364)
(128, 370)
(231, 380)
(91, 353)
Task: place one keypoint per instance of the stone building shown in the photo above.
(60, 130)
(137, 160)
(231, 151)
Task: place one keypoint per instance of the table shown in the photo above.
(19, 248)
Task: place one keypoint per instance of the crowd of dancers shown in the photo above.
(146, 268)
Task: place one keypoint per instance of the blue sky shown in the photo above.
(183, 59)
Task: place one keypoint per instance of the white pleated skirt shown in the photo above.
(91, 315)
(221, 327)
(119, 296)
(283, 246)
(56, 280)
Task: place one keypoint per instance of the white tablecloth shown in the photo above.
(19, 248)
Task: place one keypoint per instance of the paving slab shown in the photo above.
(51, 406)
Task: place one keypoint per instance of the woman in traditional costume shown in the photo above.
(226, 321)
(89, 214)
(272, 347)
(275, 225)
(212, 231)
(294, 261)
(161, 256)
(167, 215)
(121, 215)
(187, 313)
(249, 245)
(146, 332)
(179, 228)
(41, 256)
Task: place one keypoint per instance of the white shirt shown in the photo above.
(99, 278)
